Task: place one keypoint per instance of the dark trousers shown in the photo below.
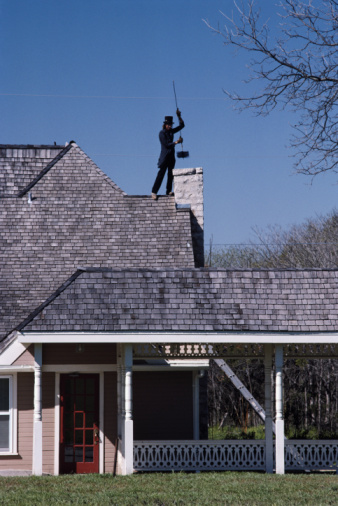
(170, 164)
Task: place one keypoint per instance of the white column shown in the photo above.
(57, 425)
(102, 407)
(280, 464)
(268, 410)
(119, 391)
(196, 404)
(128, 429)
(120, 409)
(37, 428)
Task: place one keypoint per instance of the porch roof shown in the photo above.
(191, 300)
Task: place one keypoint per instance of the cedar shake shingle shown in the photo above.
(187, 300)
(77, 216)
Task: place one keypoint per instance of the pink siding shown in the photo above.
(48, 411)
(163, 406)
(27, 358)
(110, 420)
(25, 422)
(66, 354)
(23, 461)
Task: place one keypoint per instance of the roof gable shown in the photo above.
(20, 165)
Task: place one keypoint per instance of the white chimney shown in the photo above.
(188, 189)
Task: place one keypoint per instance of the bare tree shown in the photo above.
(297, 68)
(311, 386)
(312, 244)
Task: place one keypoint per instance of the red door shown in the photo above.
(79, 438)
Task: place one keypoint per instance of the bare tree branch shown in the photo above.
(298, 70)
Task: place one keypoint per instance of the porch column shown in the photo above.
(119, 397)
(128, 429)
(37, 427)
(280, 464)
(268, 411)
(196, 404)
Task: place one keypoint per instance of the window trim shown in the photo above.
(13, 415)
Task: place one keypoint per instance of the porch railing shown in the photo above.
(199, 455)
(231, 455)
(311, 455)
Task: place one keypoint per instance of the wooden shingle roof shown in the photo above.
(192, 300)
(75, 216)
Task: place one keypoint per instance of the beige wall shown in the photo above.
(23, 461)
(48, 421)
(110, 420)
(27, 358)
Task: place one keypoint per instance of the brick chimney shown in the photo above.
(188, 188)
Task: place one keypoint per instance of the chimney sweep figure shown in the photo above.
(167, 155)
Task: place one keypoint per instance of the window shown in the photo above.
(6, 414)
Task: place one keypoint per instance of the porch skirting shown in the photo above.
(246, 455)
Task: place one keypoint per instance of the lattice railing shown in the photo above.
(231, 455)
(311, 455)
(199, 455)
(197, 350)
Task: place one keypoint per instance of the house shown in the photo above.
(108, 320)
(60, 215)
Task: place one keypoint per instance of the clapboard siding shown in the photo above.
(27, 358)
(23, 461)
(48, 422)
(110, 420)
(66, 354)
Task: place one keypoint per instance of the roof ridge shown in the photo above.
(102, 173)
(44, 171)
(93, 269)
(32, 146)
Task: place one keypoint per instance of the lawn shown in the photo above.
(172, 488)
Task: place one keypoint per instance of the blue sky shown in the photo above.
(101, 72)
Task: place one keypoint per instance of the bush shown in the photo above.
(310, 433)
(231, 432)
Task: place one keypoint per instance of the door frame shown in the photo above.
(78, 439)
(57, 411)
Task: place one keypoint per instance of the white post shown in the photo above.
(101, 425)
(268, 410)
(128, 429)
(37, 428)
(196, 404)
(57, 425)
(280, 459)
(119, 389)
(120, 406)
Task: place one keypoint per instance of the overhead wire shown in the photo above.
(126, 97)
(118, 97)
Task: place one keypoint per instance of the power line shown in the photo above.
(225, 157)
(115, 97)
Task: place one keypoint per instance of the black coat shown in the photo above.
(167, 144)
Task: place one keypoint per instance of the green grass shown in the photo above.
(172, 489)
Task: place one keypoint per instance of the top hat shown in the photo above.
(168, 120)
